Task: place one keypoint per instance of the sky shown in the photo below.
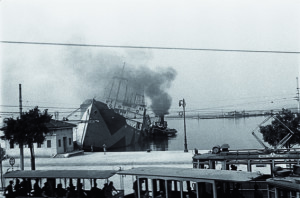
(209, 81)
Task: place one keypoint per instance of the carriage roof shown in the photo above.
(80, 174)
(190, 173)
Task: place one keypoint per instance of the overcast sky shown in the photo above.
(65, 76)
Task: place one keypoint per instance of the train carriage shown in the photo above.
(172, 182)
(86, 179)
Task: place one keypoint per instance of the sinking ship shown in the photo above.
(101, 125)
(117, 121)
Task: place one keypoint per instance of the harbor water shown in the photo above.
(203, 134)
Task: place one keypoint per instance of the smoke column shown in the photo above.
(155, 84)
(94, 72)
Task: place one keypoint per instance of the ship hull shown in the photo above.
(101, 126)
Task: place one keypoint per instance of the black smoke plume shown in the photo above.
(155, 84)
(96, 70)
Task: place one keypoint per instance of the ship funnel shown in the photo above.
(162, 119)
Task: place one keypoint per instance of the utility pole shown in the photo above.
(1, 160)
(21, 145)
(298, 99)
(182, 102)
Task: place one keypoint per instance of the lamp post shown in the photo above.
(182, 102)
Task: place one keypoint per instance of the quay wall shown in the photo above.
(111, 159)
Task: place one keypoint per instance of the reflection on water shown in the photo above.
(203, 134)
(155, 144)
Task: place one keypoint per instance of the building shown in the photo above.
(58, 141)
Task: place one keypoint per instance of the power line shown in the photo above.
(150, 47)
(213, 108)
(47, 107)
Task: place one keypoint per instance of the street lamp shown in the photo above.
(182, 102)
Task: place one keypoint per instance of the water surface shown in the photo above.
(203, 134)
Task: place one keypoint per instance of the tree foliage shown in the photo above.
(279, 128)
(28, 129)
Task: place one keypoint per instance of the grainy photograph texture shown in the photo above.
(146, 98)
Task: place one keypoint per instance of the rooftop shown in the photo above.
(55, 124)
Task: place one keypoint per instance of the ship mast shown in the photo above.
(119, 85)
(111, 89)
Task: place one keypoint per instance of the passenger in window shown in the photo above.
(60, 192)
(17, 187)
(95, 191)
(80, 191)
(37, 189)
(8, 192)
(46, 190)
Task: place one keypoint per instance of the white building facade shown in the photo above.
(59, 140)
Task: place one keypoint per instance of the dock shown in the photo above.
(112, 159)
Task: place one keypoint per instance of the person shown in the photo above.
(37, 189)
(45, 190)
(17, 187)
(110, 189)
(135, 189)
(103, 190)
(80, 192)
(95, 191)
(233, 167)
(70, 191)
(9, 190)
(60, 192)
(29, 186)
(23, 188)
(161, 195)
(104, 149)
(146, 195)
(190, 192)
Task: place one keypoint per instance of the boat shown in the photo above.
(119, 120)
(101, 127)
(115, 122)
(160, 128)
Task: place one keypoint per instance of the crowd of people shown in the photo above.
(24, 188)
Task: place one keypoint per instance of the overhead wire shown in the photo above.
(149, 47)
(203, 110)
